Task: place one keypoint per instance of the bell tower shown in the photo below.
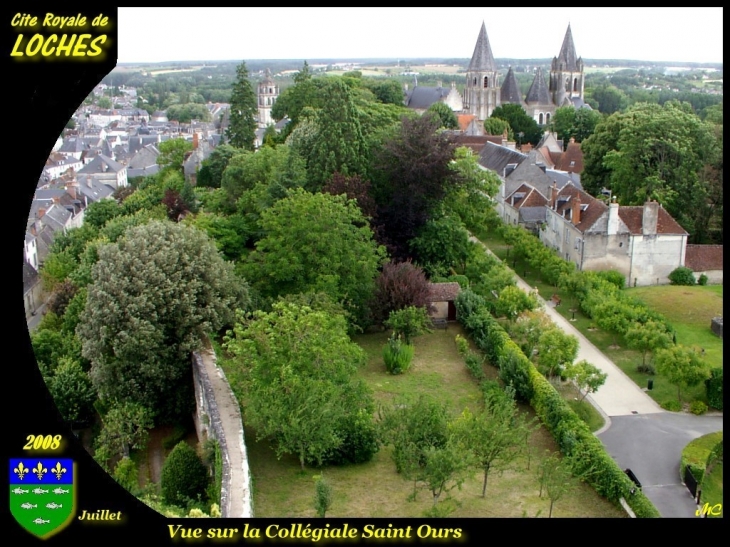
(268, 92)
(482, 93)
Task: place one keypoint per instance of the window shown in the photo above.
(547, 117)
(540, 120)
(486, 82)
(475, 82)
(575, 84)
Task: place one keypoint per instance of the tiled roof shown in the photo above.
(464, 120)
(443, 292)
(702, 258)
(633, 217)
(590, 215)
(572, 159)
(475, 142)
(422, 96)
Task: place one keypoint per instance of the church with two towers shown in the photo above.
(484, 92)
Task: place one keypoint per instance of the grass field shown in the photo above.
(689, 309)
(374, 489)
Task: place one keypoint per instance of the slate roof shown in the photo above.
(538, 92)
(510, 92)
(482, 59)
(443, 292)
(496, 157)
(30, 277)
(421, 97)
(702, 258)
(101, 164)
(562, 178)
(633, 217)
(567, 55)
(143, 172)
(532, 214)
(578, 102)
(96, 191)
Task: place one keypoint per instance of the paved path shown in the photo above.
(638, 433)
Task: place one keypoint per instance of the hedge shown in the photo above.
(592, 461)
(714, 388)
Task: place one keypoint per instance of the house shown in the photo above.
(644, 243)
(104, 169)
(32, 290)
(441, 297)
(193, 159)
(705, 259)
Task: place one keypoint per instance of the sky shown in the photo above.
(214, 34)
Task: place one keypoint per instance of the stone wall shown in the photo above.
(716, 326)
(236, 486)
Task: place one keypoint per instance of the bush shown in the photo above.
(682, 276)
(125, 473)
(702, 280)
(613, 277)
(646, 369)
(714, 388)
(462, 345)
(359, 440)
(672, 405)
(184, 477)
(397, 355)
(473, 363)
(698, 408)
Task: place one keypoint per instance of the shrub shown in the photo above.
(397, 355)
(613, 277)
(714, 388)
(473, 363)
(359, 440)
(682, 276)
(125, 473)
(672, 405)
(409, 322)
(646, 369)
(698, 408)
(702, 280)
(184, 477)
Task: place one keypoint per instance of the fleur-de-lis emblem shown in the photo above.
(58, 470)
(39, 470)
(21, 471)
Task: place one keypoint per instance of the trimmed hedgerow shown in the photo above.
(714, 388)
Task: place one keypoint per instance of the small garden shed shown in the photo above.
(441, 298)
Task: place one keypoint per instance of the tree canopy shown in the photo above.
(241, 131)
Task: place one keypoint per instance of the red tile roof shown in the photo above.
(633, 217)
(592, 213)
(464, 120)
(701, 258)
(443, 292)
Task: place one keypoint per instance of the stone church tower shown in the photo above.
(566, 75)
(482, 93)
(268, 92)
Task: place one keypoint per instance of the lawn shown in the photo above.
(689, 309)
(374, 489)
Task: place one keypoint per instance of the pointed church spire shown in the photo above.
(510, 92)
(538, 93)
(482, 60)
(568, 57)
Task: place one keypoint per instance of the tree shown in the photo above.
(648, 337)
(187, 112)
(338, 145)
(409, 322)
(322, 496)
(556, 479)
(104, 102)
(512, 301)
(442, 244)
(155, 295)
(211, 170)
(520, 122)
(317, 242)
(556, 350)
(125, 426)
(184, 477)
(413, 173)
(172, 153)
(241, 131)
(610, 99)
(494, 436)
(682, 366)
(497, 126)
(471, 201)
(399, 286)
(56, 268)
(298, 372)
(586, 376)
(444, 469)
(72, 391)
(389, 92)
(354, 187)
(60, 297)
(579, 124)
(445, 116)
(98, 213)
(616, 316)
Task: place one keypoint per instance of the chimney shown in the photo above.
(71, 189)
(525, 148)
(41, 212)
(553, 195)
(612, 229)
(195, 140)
(650, 218)
(56, 199)
(575, 215)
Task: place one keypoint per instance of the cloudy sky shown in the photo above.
(650, 34)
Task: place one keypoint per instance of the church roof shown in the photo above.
(538, 93)
(482, 60)
(510, 92)
(423, 96)
(568, 57)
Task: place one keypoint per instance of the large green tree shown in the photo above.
(154, 295)
(241, 131)
(682, 366)
(524, 127)
(318, 243)
(299, 368)
(577, 123)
